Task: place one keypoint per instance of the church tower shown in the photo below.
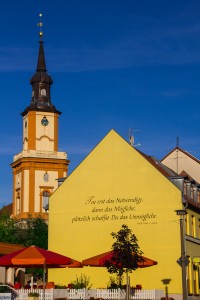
(38, 166)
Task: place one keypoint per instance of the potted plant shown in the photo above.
(33, 296)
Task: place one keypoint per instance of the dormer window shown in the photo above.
(45, 200)
(43, 92)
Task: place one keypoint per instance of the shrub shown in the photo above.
(82, 282)
(60, 286)
(114, 283)
(33, 294)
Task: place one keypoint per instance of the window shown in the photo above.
(189, 276)
(198, 229)
(195, 194)
(45, 200)
(193, 231)
(186, 224)
(198, 197)
(188, 190)
(46, 176)
(185, 189)
(43, 92)
(196, 279)
(18, 204)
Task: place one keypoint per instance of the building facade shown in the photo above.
(38, 166)
(188, 168)
(114, 185)
(182, 161)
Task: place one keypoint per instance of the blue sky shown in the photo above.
(116, 64)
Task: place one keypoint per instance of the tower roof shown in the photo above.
(41, 83)
(41, 66)
(41, 75)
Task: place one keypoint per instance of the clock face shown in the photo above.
(44, 121)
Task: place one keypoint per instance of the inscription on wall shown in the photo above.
(102, 210)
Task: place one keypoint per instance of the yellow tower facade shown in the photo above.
(38, 166)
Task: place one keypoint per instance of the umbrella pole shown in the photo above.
(31, 280)
(44, 280)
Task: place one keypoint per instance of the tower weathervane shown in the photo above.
(40, 24)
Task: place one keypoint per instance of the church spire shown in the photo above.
(41, 82)
(41, 66)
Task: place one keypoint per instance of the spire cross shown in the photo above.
(40, 24)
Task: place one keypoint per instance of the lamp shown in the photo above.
(183, 258)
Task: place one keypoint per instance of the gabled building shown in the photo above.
(180, 160)
(114, 185)
(39, 164)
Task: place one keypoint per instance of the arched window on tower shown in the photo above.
(45, 200)
(18, 204)
(43, 92)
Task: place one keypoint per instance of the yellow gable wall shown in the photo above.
(116, 185)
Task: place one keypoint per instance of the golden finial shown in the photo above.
(40, 24)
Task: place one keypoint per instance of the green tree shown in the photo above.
(9, 229)
(36, 233)
(126, 253)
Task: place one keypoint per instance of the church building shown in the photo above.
(38, 166)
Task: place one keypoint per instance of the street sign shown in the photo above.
(180, 262)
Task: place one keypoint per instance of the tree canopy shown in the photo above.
(126, 252)
(9, 230)
(34, 231)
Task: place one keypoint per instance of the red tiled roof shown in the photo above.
(185, 174)
(167, 172)
(6, 209)
(6, 248)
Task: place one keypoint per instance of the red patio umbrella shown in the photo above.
(100, 259)
(35, 257)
